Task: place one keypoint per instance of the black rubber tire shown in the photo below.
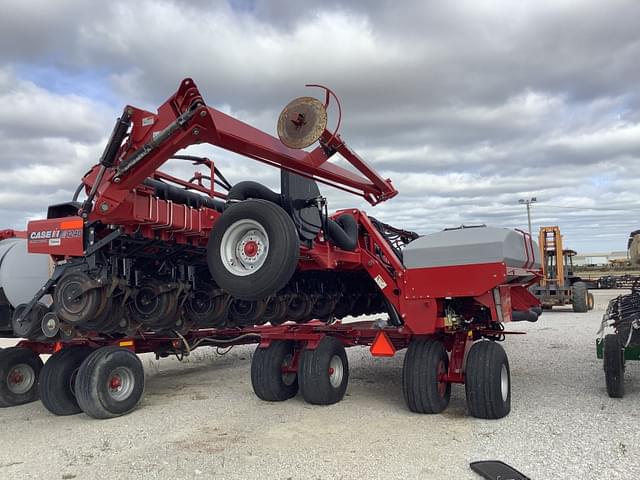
(9, 359)
(579, 297)
(424, 361)
(613, 365)
(483, 381)
(282, 255)
(92, 382)
(591, 301)
(314, 375)
(57, 380)
(268, 381)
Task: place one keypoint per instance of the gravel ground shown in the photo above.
(200, 419)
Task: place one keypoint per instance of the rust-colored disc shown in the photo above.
(302, 122)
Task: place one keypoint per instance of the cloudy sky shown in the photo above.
(467, 106)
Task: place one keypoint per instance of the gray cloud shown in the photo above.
(467, 106)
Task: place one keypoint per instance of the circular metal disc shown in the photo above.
(302, 122)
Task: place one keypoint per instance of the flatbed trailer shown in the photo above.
(276, 372)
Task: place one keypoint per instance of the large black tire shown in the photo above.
(614, 365)
(424, 363)
(488, 381)
(580, 298)
(57, 380)
(323, 374)
(278, 241)
(19, 373)
(110, 383)
(269, 382)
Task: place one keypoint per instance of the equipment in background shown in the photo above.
(623, 315)
(558, 285)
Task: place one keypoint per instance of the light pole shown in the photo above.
(528, 203)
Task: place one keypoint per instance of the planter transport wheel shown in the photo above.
(110, 382)
(425, 362)
(324, 372)
(253, 250)
(488, 381)
(19, 372)
(57, 380)
(590, 301)
(614, 365)
(270, 377)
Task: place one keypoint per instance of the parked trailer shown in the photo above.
(151, 262)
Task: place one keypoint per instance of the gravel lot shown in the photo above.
(200, 419)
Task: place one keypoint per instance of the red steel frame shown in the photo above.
(418, 294)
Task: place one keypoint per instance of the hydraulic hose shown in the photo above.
(343, 232)
(249, 189)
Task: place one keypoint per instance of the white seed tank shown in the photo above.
(21, 273)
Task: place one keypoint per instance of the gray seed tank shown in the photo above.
(471, 245)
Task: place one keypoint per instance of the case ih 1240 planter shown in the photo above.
(152, 263)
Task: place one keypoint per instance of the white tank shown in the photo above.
(21, 273)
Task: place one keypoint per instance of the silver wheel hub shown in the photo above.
(244, 247)
(504, 383)
(336, 371)
(120, 383)
(20, 379)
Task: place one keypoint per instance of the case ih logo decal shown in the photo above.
(54, 236)
(48, 234)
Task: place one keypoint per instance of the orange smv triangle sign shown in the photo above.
(382, 346)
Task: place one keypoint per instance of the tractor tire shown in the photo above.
(57, 380)
(424, 363)
(253, 249)
(614, 365)
(488, 381)
(580, 296)
(19, 373)
(591, 301)
(324, 372)
(269, 382)
(110, 383)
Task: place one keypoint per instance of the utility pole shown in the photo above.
(528, 203)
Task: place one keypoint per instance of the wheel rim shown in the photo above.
(120, 383)
(20, 379)
(336, 371)
(504, 383)
(244, 247)
(288, 377)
